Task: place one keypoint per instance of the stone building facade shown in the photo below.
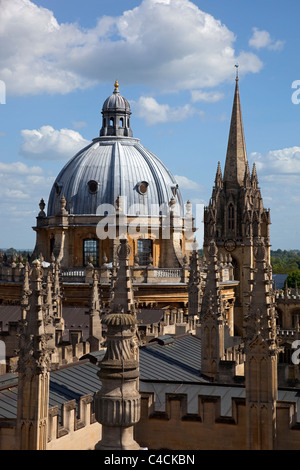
(111, 188)
(235, 217)
(213, 383)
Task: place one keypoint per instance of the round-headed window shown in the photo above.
(142, 187)
(93, 186)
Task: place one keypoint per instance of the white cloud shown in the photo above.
(19, 168)
(49, 143)
(158, 43)
(261, 39)
(208, 96)
(21, 189)
(185, 183)
(285, 162)
(154, 113)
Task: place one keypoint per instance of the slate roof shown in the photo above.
(168, 365)
(175, 361)
(279, 280)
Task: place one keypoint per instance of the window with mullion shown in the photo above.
(91, 251)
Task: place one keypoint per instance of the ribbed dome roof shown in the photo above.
(110, 167)
(116, 101)
(114, 164)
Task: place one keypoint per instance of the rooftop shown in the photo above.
(168, 365)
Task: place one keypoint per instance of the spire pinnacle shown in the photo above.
(237, 72)
(218, 178)
(236, 157)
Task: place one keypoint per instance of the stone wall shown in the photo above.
(176, 429)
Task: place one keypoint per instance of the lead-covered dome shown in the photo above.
(116, 101)
(115, 164)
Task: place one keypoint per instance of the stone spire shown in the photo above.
(122, 295)
(194, 285)
(261, 351)
(57, 296)
(95, 326)
(212, 284)
(212, 318)
(235, 216)
(25, 292)
(236, 157)
(36, 346)
(261, 320)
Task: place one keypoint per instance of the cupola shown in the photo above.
(116, 115)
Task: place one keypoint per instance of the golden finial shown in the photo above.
(116, 85)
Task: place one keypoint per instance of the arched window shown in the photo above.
(121, 124)
(144, 251)
(230, 217)
(91, 251)
(111, 121)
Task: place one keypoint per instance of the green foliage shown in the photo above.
(285, 261)
(293, 279)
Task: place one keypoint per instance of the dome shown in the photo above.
(115, 164)
(116, 101)
(113, 167)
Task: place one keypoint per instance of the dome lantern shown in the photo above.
(116, 115)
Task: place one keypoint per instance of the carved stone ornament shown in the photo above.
(230, 245)
(123, 250)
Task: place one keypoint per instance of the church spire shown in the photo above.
(236, 157)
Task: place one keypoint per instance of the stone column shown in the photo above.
(117, 404)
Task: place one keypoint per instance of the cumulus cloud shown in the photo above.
(154, 113)
(50, 143)
(19, 168)
(185, 183)
(261, 39)
(278, 162)
(207, 96)
(21, 188)
(160, 43)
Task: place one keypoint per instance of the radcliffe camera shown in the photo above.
(150, 235)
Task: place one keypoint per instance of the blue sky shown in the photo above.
(174, 60)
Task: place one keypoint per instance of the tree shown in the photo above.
(293, 278)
